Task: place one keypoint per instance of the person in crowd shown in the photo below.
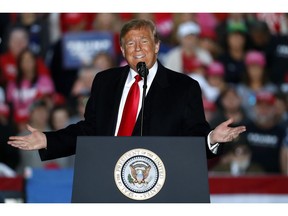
(236, 160)
(207, 22)
(78, 114)
(38, 33)
(72, 22)
(265, 136)
(18, 40)
(200, 75)
(59, 117)
(229, 106)
(277, 59)
(103, 61)
(230, 19)
(84, 81)
(109, 22)
(259, 36)
(177, 19)
(173, 104)
(28, 86)
(39, 118)
(210, 79)
(254, 80)
(234, 51)
(184, 58)
(207, 41)
(210, 109)
(69, 23)
(215, 78)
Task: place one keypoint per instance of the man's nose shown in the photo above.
(138, 46)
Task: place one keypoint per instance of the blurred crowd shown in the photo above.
(239, 59)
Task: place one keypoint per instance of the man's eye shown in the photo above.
(130, 44)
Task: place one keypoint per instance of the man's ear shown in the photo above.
(157, 47)
(122, 50)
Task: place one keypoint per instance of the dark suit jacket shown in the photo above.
(173, 107)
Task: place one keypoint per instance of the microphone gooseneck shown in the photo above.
(143, 71)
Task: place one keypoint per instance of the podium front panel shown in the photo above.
(183, 162)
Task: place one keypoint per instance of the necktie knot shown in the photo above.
(137, 78)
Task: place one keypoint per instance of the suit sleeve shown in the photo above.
(195, 121)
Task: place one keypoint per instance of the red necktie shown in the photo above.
(130, 109)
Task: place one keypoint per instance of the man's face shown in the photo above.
(189, 42)
(265, 113)
(138, 45)
(17, 42)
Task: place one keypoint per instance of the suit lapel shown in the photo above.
(117, 99)
(153, 98)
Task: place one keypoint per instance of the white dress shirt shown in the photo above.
(129, 81)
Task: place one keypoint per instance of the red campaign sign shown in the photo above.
(274, 184)
(12, 184)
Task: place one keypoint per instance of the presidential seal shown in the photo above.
(139, 174)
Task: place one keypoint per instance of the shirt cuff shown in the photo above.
(213, 148)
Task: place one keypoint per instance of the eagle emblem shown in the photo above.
(139, 173)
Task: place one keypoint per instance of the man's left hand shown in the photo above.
(223, 133)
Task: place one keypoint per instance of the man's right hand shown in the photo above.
(34, 141)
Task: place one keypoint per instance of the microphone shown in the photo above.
(143, 71)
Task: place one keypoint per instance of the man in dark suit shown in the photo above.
(173, 105)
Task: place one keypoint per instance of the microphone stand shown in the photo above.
(143, 98)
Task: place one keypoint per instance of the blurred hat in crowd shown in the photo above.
(58, 99)
(72, 18)
(209, 105)
(21, 115)
(239, 27)
(255, 57)
(215, 69)
(188, 28)
(69, 20)
(265, 97)
(208, 33)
